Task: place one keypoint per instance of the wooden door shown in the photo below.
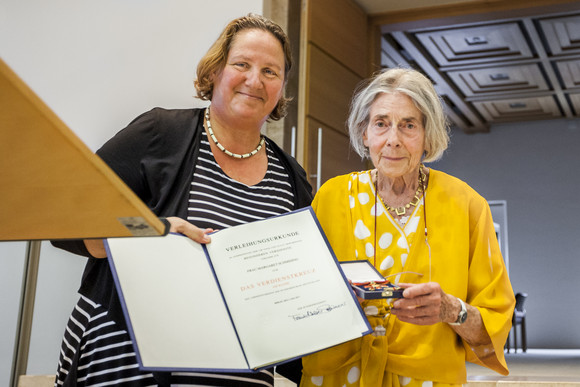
(333, 61)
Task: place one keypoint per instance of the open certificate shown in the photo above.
(259, 294)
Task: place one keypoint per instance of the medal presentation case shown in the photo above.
(367, 282)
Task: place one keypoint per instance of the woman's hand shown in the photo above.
(96, 247)
(182, 226)
(424, 304)
(427, 304)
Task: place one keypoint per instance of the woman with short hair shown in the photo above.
(425, 231)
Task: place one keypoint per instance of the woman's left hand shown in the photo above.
(425, 304)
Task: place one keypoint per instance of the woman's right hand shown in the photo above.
(96, 247)
(182, 226)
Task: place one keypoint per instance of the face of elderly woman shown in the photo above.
(252, 80)
(395, 135)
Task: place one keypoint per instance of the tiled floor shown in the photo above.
(540, 364)
(562, 363)
(536, 364)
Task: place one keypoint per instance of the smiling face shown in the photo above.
(252, 80)
(395, 135)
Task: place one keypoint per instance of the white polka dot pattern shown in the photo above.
(353, 375)
(404, 259)
(369, 250)
(412, 225)
(361, 231)
(387, 263)
(379, 209)
(385, 240)
(363, 198)
(371, 310)
(397, 279)
(392, 244)
(402, 243)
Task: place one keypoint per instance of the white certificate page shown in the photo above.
(173, 305)
(283, 287)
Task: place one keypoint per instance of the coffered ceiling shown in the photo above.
(505, 69)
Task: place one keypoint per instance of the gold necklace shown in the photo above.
(223, 149)
(414, 202)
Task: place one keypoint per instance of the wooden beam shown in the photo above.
(469, 11)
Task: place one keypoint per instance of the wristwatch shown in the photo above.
(462, 316)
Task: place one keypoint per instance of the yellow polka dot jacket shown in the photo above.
(465, 260)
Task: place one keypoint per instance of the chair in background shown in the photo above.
(519, 318)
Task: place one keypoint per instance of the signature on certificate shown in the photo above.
(319, 310)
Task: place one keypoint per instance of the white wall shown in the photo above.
(97, 64)
(534, 167)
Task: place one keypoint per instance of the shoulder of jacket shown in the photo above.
(455, 185)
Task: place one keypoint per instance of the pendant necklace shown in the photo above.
(414, 203)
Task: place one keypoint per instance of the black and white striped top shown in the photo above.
(218, 201)
(97, 350)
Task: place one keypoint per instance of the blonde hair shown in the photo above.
(421, 91)
(214, 61)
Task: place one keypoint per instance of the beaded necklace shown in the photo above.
(223, 149)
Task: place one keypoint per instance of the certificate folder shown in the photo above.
(258, 295)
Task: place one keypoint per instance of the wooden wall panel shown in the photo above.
(337, 158)
(334, 59)
(330, 90)
(339, 27)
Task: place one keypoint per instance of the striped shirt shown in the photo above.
(218, 201)
(97, 352)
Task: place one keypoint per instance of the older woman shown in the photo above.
(202, 169)
(426, 231)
